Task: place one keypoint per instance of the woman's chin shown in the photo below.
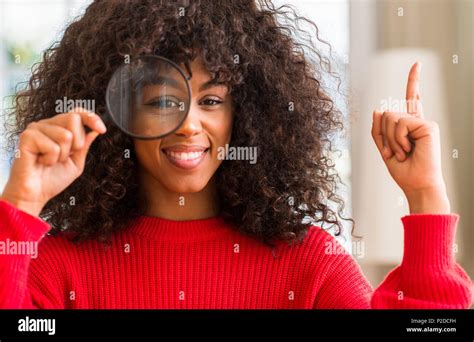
(186, 186)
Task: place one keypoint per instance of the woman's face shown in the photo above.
(185, 161)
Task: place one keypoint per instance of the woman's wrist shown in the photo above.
(429, 201)
(34, 209)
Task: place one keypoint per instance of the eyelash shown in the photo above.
(217, 102)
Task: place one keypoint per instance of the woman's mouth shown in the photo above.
(185, 157)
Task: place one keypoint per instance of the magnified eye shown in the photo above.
(164, 102)
(148, 97)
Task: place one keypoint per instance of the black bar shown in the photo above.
(317, 325)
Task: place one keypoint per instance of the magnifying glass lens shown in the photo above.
(148, 98)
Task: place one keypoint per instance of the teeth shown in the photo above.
(184, 155)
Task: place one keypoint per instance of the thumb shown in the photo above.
(79, 156)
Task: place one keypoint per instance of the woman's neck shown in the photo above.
(161, 202)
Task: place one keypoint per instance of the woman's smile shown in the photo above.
(187, 157)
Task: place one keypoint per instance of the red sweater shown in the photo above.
(159, 263)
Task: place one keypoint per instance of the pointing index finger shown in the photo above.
(413, 95)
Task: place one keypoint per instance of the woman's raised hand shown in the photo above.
(410, 147)
(51, 155)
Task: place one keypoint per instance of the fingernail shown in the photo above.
(100, 126)
(418, 67)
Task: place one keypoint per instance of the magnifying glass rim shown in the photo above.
(187, 106)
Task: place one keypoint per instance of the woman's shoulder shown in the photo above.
(309, 262)
(318, 247)
(318, 240)
(62, 248)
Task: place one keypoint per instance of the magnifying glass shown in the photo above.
(149, 97)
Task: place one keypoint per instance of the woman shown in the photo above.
(183, 228)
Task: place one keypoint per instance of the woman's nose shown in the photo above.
(192, 125)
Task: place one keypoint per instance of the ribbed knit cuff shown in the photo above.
(20, 226)
(429, 240)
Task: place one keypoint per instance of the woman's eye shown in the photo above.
(163, 103)
(211, 102)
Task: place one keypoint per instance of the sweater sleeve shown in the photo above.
(20, 234)
(427, 278)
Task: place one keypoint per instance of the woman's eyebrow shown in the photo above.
(210, 84)
(162, 80)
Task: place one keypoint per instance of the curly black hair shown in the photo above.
(281, 107)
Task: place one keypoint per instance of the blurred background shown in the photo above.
(374, 43)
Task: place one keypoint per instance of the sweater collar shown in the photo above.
(158, 228)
